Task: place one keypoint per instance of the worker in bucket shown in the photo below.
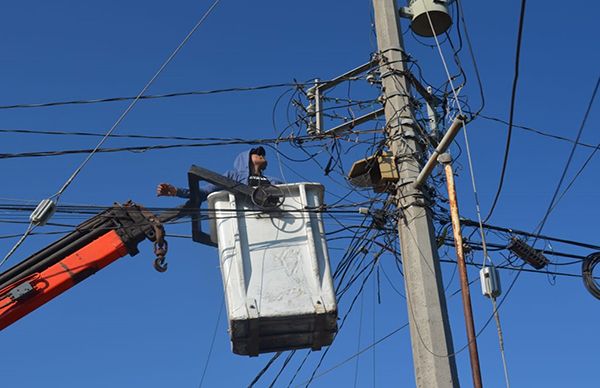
(248, 168)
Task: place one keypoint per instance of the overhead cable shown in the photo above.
(133, 103)
(350, 358)
(68, 182)
(539, 132)
(467, 144)
(583, 166)
(552, 203)
(151, 96)
(512, 111)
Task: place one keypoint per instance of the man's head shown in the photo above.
(257, 161)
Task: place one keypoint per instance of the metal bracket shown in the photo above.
(319, 328)
(253, 344)
(21, 291)
(197, 174)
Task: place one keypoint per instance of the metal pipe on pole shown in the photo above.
(446, 160)
(443, 145)
(431, 338)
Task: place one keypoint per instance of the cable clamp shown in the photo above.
(43, 212)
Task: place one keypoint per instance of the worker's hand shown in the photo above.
(166, 189)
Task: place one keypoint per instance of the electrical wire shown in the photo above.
(552, 203)
(283, 366)
(264, 369)
(212, 342)
(476, 201)
(145, 148)
(148, 96)
(68, 182)
(355, 355)
(467, 144)
(512, 111)
(475, 67)
(539, 132)
(30, 228)
(587, 270)
(133, 103)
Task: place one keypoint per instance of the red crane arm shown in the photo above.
(18, 300)
(92, 246)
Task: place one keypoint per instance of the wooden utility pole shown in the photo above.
(433, 353)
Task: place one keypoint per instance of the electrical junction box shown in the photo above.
(275, 269)
(377, 171)
(490, 282)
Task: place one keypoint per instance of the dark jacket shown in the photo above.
(239, 173)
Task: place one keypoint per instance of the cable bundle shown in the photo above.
(587, 269)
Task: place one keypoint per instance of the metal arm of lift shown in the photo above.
(269, 197)
(100, 241)
(92, 246)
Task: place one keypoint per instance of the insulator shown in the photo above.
(43, 212)
(532, 256)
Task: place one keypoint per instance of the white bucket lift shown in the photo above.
(275, 269)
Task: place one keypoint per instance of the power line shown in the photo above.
(153, 147)
(68, 182)
(212, 342)
(467, 222)
(169, 95)
(565, 274)
(133, 103)
(583, 166)
(551, 205)
(512, 111)
(264, 369)
(123, 136)
(334, 367)
(460, 10)
(151, 96)
(541, 133)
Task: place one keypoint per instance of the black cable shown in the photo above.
(299, 368)
(520, 269)
(358, 353)
(324, 354)
(140, 149)
(569, 159)
(470, 47)
(539, 132)
(285, 363)
(125, 136)
(587, 269)
(475, 224)
(152, 96)
(512, 111)
(584, 165)
(212, 342)
(264, 369)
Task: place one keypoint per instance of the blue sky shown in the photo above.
(129, 326)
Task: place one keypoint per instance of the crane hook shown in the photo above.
(161, 246)
(160, 264)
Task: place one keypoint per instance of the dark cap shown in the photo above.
(258, 151)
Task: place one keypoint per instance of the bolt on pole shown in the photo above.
(431, 338)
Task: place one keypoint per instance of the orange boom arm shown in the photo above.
(92, 246)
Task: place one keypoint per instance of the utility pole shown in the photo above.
(433, 353)
(446, 160)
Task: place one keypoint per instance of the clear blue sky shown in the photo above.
(129, 326)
